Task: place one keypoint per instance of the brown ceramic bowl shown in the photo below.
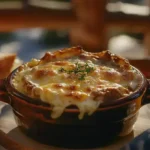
(108, 122)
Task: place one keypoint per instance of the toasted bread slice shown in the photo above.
(6, 63)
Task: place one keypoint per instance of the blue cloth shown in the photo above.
(141, 142)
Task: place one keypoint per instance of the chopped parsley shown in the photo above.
(80, 70)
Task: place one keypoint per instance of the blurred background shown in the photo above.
(31, 27)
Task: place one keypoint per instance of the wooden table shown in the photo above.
(11, 20)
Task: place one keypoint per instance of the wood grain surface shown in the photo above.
(11, 144)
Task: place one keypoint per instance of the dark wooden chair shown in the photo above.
(94, 21)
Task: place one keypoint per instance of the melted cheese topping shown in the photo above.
(57, 83)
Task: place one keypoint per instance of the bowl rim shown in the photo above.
(117, 103)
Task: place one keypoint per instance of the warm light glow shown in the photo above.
(128, 8)
(50, 4)
(11, 5)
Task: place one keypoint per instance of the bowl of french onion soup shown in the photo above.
(76, 99)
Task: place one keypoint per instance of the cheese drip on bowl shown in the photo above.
(73, 77)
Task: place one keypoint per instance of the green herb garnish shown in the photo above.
(62, 70)
(80, 70)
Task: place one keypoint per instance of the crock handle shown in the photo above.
(3, 93)
(147, 95)
(148, 90)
